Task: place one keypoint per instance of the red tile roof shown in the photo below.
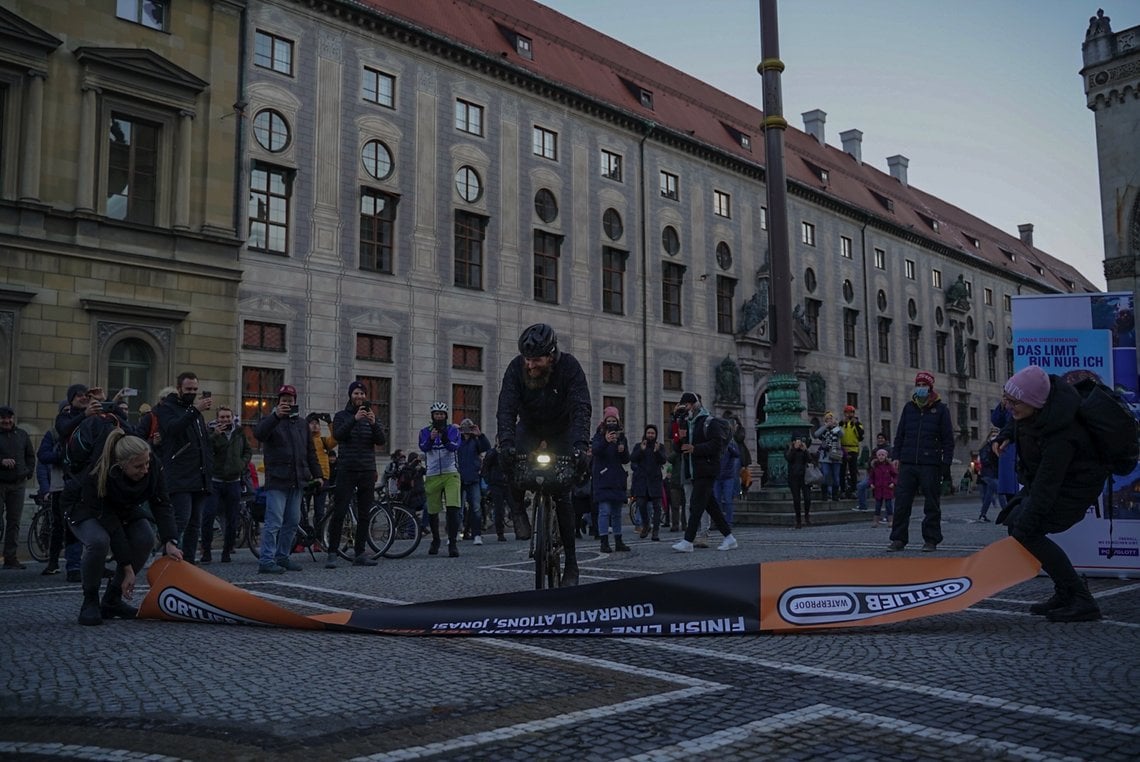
(578, 58)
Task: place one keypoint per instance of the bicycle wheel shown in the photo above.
(381, 531)
(547, 546)
(343, 546)
(252, 534)
(39, 534)
(406, 533)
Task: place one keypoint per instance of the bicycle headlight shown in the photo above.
(543, 459)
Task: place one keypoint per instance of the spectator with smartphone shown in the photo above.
(17, 465)
(186, 456)
(325, 447)
(357, 433)
(231, 454)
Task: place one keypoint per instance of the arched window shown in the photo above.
(130, 363)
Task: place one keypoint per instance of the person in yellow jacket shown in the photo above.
(325, 445)
(850, 439)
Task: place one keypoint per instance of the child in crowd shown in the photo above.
(883, 476)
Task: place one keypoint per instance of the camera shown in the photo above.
(207, 395)
(107, 406)
(680, 414)
(325, 417)
(613, 427)
(294, 411)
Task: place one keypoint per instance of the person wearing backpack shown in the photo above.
(1062, 473)
(700, 457)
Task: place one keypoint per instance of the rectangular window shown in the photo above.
(270, 194)
(763, 218)
(258, 395)
(671, 380)
(379, 392)
(669, 186)
(273, 52)
(845, 247)
(466, 402)
(373, 348)
(468, 117)
(545, 143)
(811, 318)
(524, 47)
(613, 373)
(885, 427)
(972, 358)
(132, 170)
(470, 233)
(611, 165)
(884, 404)
(268, 337)
(909, 269)
(880, 259)
(547, 248)
(149, 13)
(936, 278)
(807, 233)
(1008, 363)
(884, 340)
(991, 362)
(1007, 304)
(377, 236)
(613, 280)
(672, 276)
(914, 344)
(379, 88)
(464, 357)
(853, 399)
(988, 297)
(940, 341)
(722, 204)
(725, 289)
(850, 323)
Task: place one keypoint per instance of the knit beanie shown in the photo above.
(611, 412)
(923, 377)
(356, 385)
(1029, 385)
(74, 391)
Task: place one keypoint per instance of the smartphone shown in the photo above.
(129, 392)
(207, 395)
(294, 411)
(107, 406)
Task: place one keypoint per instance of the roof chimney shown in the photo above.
(898, 164)
(813, 123)
(853, 144)
(1026, 233)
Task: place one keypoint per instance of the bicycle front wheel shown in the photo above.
(547, 547)
(345, 545)
(39, 534)
(381, 531)
(406, 533)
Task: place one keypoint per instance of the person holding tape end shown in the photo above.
(1061, 474)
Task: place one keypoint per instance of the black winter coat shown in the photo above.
(232, 454)
(356, 441)
(797, 463)
(185, 451)
(17, 445)
(559, 412)
(290, 460)
(646, 464)
(709, 436)
(925, 435)
(1057, 463)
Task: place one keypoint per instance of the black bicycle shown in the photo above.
(547, 476)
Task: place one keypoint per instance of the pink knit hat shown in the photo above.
(610, 412)
(1029, 385)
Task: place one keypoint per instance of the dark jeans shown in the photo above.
(849, 471)
(801, 492)
(990, 495)
(188, 519)
(643, 506)
(59, 528)
(96, 543)
(1054, 561)
(13, 495)
(225, 498)
(471, 498)
(363, 484)
(701, 501)
(913, 479)
(498, 499)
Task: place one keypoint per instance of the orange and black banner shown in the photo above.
(778, 596)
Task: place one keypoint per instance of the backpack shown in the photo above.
(404, 480)
(1115, 432)
(87, 440)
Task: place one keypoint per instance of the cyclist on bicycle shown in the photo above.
(545, 398)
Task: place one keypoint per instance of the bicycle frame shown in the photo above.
(547, 477)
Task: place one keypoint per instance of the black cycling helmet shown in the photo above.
(539, 340)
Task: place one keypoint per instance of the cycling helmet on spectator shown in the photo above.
(539, 340)
(439, 407)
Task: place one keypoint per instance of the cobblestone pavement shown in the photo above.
(991, 682)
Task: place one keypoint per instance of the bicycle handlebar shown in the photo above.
(543, 470)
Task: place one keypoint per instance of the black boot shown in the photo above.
(522, 525)
(656, 534)
(1080, 608)
(1058, 600)
(433, 522)
(570, 573)
(618, 544)
(606, 545)
(452, 531)
(89, 613)
(114, 607)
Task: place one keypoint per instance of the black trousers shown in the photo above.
(701, 501)
(363, 484)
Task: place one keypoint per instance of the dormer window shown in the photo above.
(930, 221)
(887, 203)
(738, 137)
(646, 98)
(972, 241)
(745, 142)
(1038, 268)
(523, 47)
(820, 173)
(1009, 255)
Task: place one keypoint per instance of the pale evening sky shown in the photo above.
(983, 97)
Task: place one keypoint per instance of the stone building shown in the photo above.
(422, 186)
(118, 153)
(1111, 75)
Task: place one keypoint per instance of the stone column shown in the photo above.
(182, 172)
(88, 131)
(33, 137)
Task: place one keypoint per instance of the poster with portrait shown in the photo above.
(1090, 332)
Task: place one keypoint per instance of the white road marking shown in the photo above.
(971, 745)
(26, 750)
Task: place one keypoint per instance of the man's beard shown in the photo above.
(533, 382)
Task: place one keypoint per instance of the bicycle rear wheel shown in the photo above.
(252, 534)
(547, 545)
(406, 533)
(345, 545)
(39, 534)
(381, 531)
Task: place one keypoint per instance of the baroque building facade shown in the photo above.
(1111, 76)
(118, 157)
(421, 187)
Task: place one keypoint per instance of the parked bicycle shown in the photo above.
(547, 476)
(406, 529)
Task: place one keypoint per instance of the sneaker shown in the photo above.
(289, 564)
(502, 537)
(478, 540)
(14, 565)
(50, 570)
(895, 547)
(683, 546)
(929, 547)
(452, 550)
(982, 519)
(226, 557)
(207, 557)
(728, 543)
(363, 560)
(74, 575)
(270, 569)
